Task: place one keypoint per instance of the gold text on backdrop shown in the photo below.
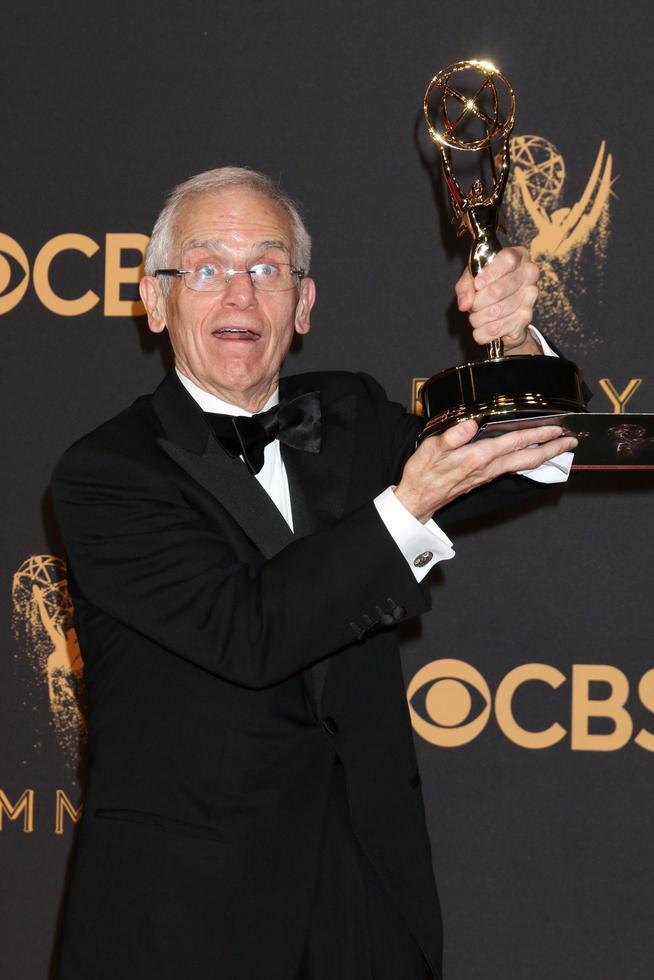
(442, 697)
(22, 812)
(116, 275)
(618, 399)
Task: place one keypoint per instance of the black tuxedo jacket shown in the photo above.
(212, 738)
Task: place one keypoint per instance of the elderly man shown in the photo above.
(241, 547)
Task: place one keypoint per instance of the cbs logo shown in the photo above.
(15, 273)
(450, 704)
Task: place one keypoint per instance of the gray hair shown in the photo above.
(159, 254)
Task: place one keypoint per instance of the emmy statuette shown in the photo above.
(470, 107)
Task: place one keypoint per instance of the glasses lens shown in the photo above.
(211, 277)
(273, 276)
(208, 277)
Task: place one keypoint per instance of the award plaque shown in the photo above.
(470, 109)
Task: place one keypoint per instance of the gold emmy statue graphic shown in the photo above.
(470, 110)
(43, 625)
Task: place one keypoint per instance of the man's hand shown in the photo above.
(446, 466)
(500, 300)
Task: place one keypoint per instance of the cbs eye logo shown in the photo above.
(10, 249)
(449, 703)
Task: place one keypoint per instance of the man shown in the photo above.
(253, 806)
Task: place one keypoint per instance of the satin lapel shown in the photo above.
(318, 485)
(190, 443)
(319, 482)
(238, 491)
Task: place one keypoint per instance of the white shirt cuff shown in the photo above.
(555, 470)
(423, 545)
(538, 337)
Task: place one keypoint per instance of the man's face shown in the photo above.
(230, 343)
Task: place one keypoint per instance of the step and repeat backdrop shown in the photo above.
(531, 684)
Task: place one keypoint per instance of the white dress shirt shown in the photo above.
(555, 470)
(423, 545)
(272, 475)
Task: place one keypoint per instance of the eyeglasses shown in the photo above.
(211, 277)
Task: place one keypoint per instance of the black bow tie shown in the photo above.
(295, 422)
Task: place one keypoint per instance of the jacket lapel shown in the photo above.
(232, 484)
(318, 482)
(188, 440)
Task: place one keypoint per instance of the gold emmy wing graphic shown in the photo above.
(559, 236)
(43, 625)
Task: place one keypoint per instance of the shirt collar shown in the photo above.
(211, 403)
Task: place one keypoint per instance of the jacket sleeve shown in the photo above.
(139, 552)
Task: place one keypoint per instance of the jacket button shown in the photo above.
(423, 559)
(329, 725)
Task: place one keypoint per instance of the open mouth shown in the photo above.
(235, 333)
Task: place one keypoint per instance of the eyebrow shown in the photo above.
(218, 243)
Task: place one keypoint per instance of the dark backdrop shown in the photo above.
(543, 855)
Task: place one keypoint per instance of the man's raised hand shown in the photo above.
(500, 300)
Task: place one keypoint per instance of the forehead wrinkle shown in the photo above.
(216, 243)
(273, 243)
(220, 244)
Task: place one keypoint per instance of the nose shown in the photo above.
(239, 291)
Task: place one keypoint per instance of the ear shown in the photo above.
(154, 303)
(305, 305)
